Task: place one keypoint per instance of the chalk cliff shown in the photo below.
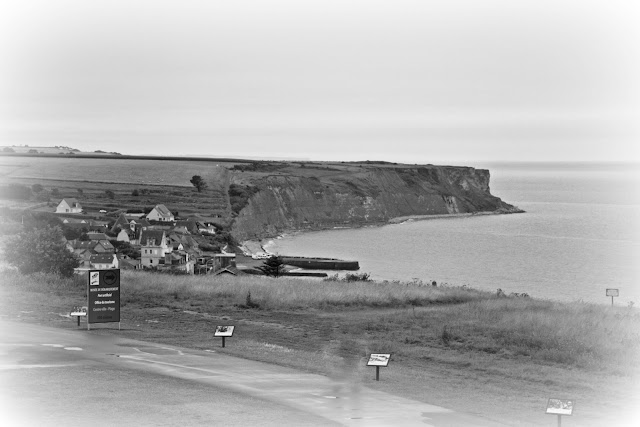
(308, 198)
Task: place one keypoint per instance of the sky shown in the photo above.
(400, 80)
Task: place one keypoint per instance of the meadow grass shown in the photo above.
(290, 293)
(409, 319)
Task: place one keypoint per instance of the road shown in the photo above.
(55, 377)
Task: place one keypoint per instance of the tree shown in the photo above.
(272, 266)
(110, 194)
(55, 192)
(40, 249)
(80, 191)
(198, 182)
(37, 188)
(135, 192)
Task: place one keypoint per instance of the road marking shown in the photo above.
(8, 367)
(73, 348)
(53, 345)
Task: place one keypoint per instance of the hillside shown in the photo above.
(256, 199)
(325, 195)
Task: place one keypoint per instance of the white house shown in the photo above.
(69, 206)
(123, 236)
(160, 213)
(103, 261)
(153, 247)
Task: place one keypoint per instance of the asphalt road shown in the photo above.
(54, 377)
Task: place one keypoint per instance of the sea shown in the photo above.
(579, 236)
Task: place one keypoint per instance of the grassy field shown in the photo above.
(158, 181)
(457, 347)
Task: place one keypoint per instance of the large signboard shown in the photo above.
(104, 296)
(613, 292)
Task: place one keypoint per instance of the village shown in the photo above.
(156, 241)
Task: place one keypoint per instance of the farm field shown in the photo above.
(157, 182)
(109, 170)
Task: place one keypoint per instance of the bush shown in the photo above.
(40, 250)
(239, 196)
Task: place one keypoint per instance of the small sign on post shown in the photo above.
(223, 331)
(377, 360)
(78, 312)
(613, 293)
(560, 407)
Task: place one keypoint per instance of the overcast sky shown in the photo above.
(409, 81)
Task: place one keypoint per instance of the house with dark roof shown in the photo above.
(69, 205)
(160, 213)
(121, 223)
(186, 227)
(97, 236)
(89, 224)
(180, 261)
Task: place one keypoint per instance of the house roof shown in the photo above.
(81, 245)
(105, 244)
(147, 237)
(121, 222)
(162, 210)
(97, 236)
(102, 258)
(71, 202)
(229, 270)
(142, 222)
(181, 229)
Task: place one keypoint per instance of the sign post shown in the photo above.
(613, 293)
(103, 296)
(223, 331)
(560, 407)
(78, 312)
(377, 360)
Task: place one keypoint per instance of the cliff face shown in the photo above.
(361, 196)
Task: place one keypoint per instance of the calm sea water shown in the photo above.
(579, 236)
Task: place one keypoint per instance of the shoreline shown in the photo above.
(253, 247)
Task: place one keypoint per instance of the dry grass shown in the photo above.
(291, 293)
(407, 319)
(412, 317)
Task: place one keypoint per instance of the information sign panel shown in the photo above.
(78, 311)
(104, 296)
(560, 406)
(223, 331)
(377, 359)
(612, 292)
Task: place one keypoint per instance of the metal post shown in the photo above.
(223, 342)
(377, 373)
(78, 317)
(611, 300)
(559, 420)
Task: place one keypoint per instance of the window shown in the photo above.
(150, 261)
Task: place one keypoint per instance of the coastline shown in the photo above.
(401, 219)
(253, 247)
